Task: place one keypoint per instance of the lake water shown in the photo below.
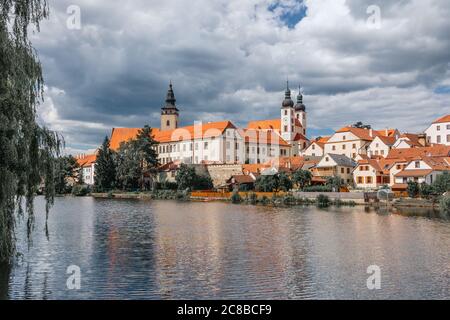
(174, 250)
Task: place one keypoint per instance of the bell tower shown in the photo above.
(300, 110)
(169, 113)
(287, 116)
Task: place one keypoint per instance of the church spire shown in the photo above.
(170, 98)
(287, 97)
(300, 106)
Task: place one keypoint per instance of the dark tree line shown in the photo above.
(27, 150)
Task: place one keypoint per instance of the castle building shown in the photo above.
(223, 142)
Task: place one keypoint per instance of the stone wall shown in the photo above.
(221, 173)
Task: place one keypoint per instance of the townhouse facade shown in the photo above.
(439, 131)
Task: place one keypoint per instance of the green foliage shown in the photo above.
(302, 178)
(105, 168)
(129, 170)
(165, 185)
(412, 189)
(289, 199)
(27, 151)
(66, 168)
(136, 158)
(81, 190)
(267, 183)
(188, 179)
(444, 204)
(236, 198)
(264, 200)
(425, 190)
(335, 183)
(442, 183)
(361, 125)
(318, 189)
(284, 182)
(323, 201)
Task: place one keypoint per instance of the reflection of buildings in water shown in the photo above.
(212, 246)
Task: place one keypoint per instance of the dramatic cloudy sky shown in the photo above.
(229, 59)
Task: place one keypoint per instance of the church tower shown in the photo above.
(288, 117)
(300, 110)
(169, 113)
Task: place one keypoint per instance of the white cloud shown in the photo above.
(230, 58)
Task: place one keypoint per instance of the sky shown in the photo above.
(108, 63)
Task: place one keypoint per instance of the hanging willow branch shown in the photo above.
(27, 151)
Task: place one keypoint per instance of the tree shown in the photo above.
(65, 168)
(284, 182)
(129, 170)
(267, 183)
(27, 151)
(361, 125)
(425, 190)
(187, 178)
(412, 189)
(105, 168)
(442, 183)
(302, 178)
(145, 147)
(335, 183)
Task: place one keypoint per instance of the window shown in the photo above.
(354, 155)
(398, 167)
(382, 152)
(360, 180)
(196, 146)
(343, 138)
(342, 170)
(190, 147)
(285, 112)
(334, 148)
(354, 146)
(438, 128)
(228, 145)
(377, 145)
(206, 146)
(327, 159)
(448, 138)
(438, 139)
(184, 147)
(314, 147)
(369, 180)
(285, 128)
(348, 170)
(448, 127)
(417, 164)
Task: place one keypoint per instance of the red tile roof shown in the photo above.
(443, 119)
(409, 153)
(86, 160)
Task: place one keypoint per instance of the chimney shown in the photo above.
(371, 133)
(387, 132)
(422, 139)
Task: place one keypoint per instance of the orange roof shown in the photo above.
(206, 130)
(86, 160)
(414, 173)
(255, 168)
(408, 153)
(364, 134)
(443, 119)
(389, 141)
(386, 132)
(323, 139)
(413, 139)
(274, 124)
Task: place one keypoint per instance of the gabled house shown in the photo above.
(380, 146)
(439, 131)
(335, 165)
(316, 148)
(410, 140)
(87, 165)
(372, 173)
(421, 169)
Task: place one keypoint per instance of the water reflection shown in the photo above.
(171, 250)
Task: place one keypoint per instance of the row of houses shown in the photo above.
(362, 157)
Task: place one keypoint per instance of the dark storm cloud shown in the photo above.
(230, 60)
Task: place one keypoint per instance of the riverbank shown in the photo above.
(275, 198)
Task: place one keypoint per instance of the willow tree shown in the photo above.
(27, 151)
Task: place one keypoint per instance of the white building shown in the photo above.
(87, 165)
(439, 131)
